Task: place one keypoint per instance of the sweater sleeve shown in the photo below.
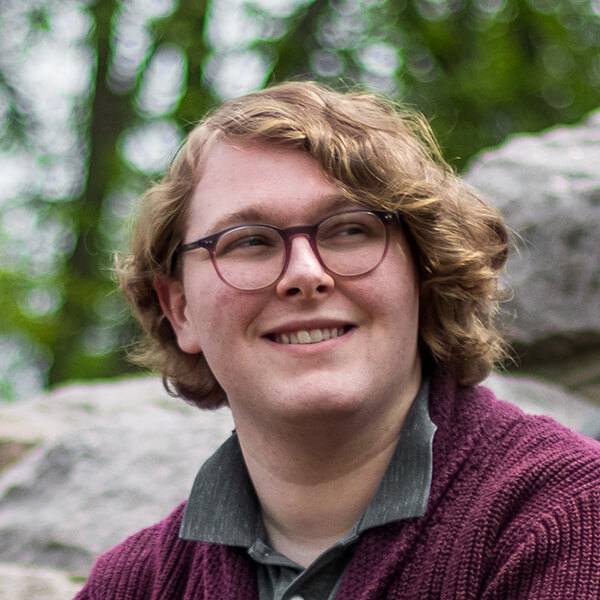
(123, 572)
(558, 558)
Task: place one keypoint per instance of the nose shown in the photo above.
(304, 276)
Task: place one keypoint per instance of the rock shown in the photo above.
(120, 456)
(23, 583)
(11, 451)
(548, 188)
(542, 398)
(116, 457)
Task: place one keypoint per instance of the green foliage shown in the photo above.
(478, 69)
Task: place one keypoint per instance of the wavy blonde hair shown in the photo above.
(379, 154)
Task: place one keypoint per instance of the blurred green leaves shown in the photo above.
(95, 97)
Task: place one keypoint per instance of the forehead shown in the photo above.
(249, 183)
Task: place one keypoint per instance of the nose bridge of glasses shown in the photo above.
(307, 232)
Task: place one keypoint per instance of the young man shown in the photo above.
(310, 261)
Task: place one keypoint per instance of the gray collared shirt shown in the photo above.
(223, 509)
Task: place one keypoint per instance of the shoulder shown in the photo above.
(518, 494)
(132, 568)
(463, 413)
(536, 459)
(504, 449)
(156, 563)
(536, 447)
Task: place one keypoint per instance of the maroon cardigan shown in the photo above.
(513, 514)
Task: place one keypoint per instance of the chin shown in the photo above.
(325, 403)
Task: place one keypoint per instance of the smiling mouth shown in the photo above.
(309, 336)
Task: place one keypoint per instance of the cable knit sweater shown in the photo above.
(513, 514)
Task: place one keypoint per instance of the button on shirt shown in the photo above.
(223, 509)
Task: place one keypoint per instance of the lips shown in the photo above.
(309, 336)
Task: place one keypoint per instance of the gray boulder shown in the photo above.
(542, 398)
(548, 188)
(115, 457)
(35, 583)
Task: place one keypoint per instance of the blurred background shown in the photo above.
(95, 97)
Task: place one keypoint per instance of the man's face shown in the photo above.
(370, 363)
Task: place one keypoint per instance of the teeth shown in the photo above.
(316, 335)
(303, 337)
(309, 337)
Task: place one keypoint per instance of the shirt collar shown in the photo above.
(404, 490)
(223, 508)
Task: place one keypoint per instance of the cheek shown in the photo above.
(403, 273)
(392, 302)
(395, 305)
(397, 277)
(222, 316)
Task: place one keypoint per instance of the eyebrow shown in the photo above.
(255, 215)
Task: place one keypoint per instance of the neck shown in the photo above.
(315, 480)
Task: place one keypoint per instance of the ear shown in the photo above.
(171, 296)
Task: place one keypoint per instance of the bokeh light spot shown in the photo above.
(164, 82)
(380, 58)
(237, 73)
(149, 147)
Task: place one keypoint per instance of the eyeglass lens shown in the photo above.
(254, 256)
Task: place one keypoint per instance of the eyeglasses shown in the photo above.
(254, 257)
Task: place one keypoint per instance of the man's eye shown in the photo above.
(245, 244)
(351, 230)
(348, 230)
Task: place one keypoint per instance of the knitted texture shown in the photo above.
(514, 513)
